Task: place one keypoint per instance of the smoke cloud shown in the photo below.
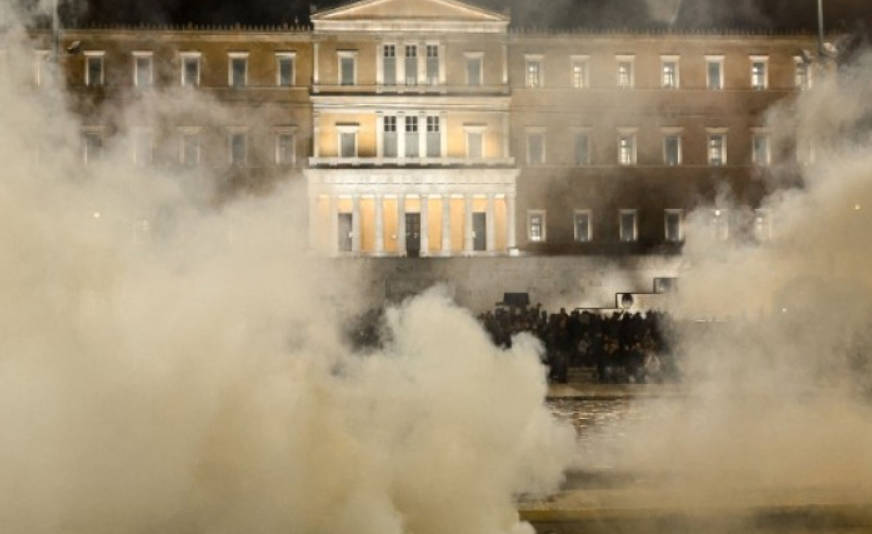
(171, 365)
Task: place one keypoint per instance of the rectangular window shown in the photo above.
(143, 69)
(715, 72)
(672, 149)
(475, 143)
(762, 225)
(411, 65)
(238, 148)
(433, 64)
(238, 72)
(717, 149)
(534, 71)
(189, 151)
(802, 76)
(473, 69)
(94, 69)
(625, 72)
(348, 143)
(92, 147)
(760, 153)
(434, 137)
(580, 72)
(759, 78)
(536, 225)
(628, 225)
(347, 68)
(190, 74)
(286, 154)
(143, 146)
(389, 137)
(721, 224)
(389, 64)
(412, 148)
(582, 225)
(669, 73)
(285, 69)
(535, 148)
(627, 149)
(673, 226)
(582, 148)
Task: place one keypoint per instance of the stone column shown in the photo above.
(401, 224)
(355, 223)
(511, 242)
(446, 224)
(379, 225)
(425, 225)
(467, 223)
(491, 227)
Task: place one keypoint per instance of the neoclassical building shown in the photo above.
(435, 128)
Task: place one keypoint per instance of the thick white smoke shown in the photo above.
(188, 376)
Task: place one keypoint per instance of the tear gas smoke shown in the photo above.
(190, 377)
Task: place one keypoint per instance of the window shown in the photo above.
(473, 68)
(190, 74)
(536, 147)
(760, 152)
(717, 149)
(536, 225)
(238, 72)
(285, 69)
(625, 71)
(533, 76)
(582, 226)
(389, 64)
(580, 67)
(627, 148)
(802, 76)
(714, 72)
(762, 225)
(669, 72)
(189, 149)
(412, 148)
(238, 148)
(347, 140)
(759, 78)
(143, 69)
(474, 141)
(347, 67)
(582, 148)
(673, 225)
(389, 136)
(721, 224)
(94, 68)
(628, 225)
(285, 148)
(40, 60)
(411, 65)
(92, 147)
(432, 64)
(143, 146)
(434, 137)
(672, 148)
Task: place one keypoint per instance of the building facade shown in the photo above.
(432, 128)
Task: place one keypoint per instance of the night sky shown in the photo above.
(768, 14)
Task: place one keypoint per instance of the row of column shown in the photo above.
(445, 245)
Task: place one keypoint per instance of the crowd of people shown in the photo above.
(619, 347)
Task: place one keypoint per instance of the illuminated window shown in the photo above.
(672, 148)
(627, 148)
(285, 69)
(143, 69)
(717, 148)
(580, 68)
(759, 72)
(533, 77)
(190, 73)
(669, 72)
(802, 73)
(762, 225)
(238, 71)
(673, 225)
(628, 225)
(714, 72)
(536, 225)
(625, 72)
